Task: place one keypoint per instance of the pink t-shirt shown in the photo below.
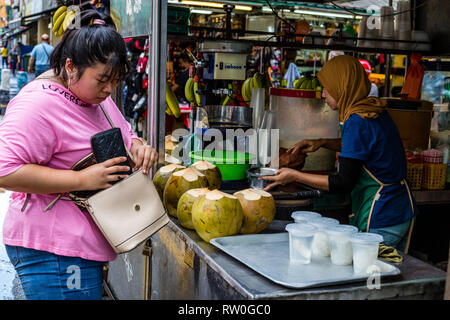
(46, 124)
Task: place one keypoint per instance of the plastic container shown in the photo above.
(341, 248)
(233, 165)
(433, 156)
(414, 172)
(321, 243)
(304, 216)
(300, 242)
(434, 176)
(365, 248)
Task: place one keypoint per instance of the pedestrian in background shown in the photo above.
(5, 57)
(41, 56)
(14, 59)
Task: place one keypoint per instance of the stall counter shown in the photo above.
(186, 267)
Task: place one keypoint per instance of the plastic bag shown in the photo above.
(413, 80)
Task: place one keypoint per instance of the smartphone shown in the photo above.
(109, 144)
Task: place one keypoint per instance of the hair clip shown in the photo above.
(99, 21)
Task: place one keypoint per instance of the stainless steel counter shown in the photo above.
(185, 267)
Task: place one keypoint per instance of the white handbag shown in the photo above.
(129, 212)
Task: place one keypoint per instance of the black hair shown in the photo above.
(91, 44)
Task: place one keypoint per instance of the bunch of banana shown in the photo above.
(189, 90)
(172, 106)
(168, 111)
(197, 96)
(62, 20)
(306, 83)
(254, 82)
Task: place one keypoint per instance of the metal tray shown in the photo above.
(268, 254)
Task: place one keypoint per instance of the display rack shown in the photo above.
(298, 45)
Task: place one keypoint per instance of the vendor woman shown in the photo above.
(372, 164)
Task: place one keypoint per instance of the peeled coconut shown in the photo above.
(180, 182)
(162, 176)
(168, 159)
(170, 146)
(211, 172)
(217, 214)
(259, 210)
(184, 208)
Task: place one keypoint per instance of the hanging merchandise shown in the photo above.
(141, 105)
(413, 80)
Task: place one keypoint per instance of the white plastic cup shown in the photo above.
(365, 248)
(301, 236)
(341, 248)
(304, 216)
(321, 243)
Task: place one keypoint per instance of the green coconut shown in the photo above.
(162, 176)
(180, 182)
(217, 214)
(211, 172)
(259, 210)
(184, 208)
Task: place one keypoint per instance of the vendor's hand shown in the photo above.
(282, 176)
(99, 176)
(305, 146)
(144, 156)
(290, 160)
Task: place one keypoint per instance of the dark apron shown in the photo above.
(364, 196)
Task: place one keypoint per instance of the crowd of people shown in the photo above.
(39, 62)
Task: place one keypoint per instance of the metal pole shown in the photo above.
(156, 128)
(387, 82)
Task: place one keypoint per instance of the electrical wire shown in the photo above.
(278, 16)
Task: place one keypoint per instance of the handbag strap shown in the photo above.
(113, 126)
(59, 197)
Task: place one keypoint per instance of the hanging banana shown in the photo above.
(189, 90)
(172, 101)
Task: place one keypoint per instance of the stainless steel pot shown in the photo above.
(254, 174)
(230, 116)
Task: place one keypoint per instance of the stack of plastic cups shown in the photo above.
(387, 27)
(372, 32)
(403, 25)
(362, 32)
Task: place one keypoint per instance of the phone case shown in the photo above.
(109, 144)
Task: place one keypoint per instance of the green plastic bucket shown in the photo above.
(233, 165)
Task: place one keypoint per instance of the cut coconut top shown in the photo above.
(253, 194)
(217, 195)
(170, 167)
(170, 145)
(203, 165)
(189, 174)
(197, 192)
(172, 160)
(171, 138)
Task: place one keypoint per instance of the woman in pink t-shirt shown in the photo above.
(60, 253)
